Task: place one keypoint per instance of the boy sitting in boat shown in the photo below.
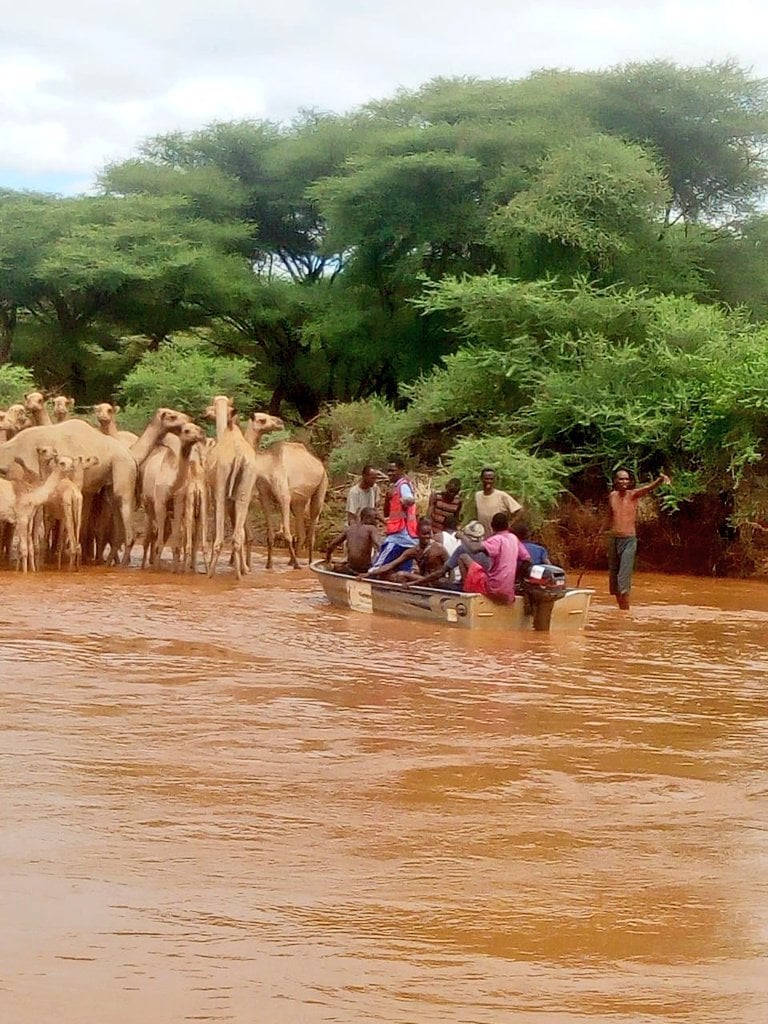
(415, 562)
(537, 552)
(362, 539)
(470, 541)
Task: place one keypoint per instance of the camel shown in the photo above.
(62, 408)
(7, 430)
(164, 423)
(65, 507)
(292, 480)
(117, 466)
(231, 474)
(8, 495)
(35, 408)
(105, 414)
(16, 418)
(27, 506)
(163, 475)
(192, 517)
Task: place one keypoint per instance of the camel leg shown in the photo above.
(179, 504)
(77, 522)
(316, 503)
(201, 530)
(218, 540)
(149, 533)
(284, 498)
(124, 487)
(265, 507)
(161, 513)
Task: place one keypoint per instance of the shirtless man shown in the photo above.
(362, 539)
(622, 535)
(415, 562)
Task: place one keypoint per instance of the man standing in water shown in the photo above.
(622, 527)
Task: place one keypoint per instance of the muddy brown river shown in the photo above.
(235, 803)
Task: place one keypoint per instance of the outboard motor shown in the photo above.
(543, 585)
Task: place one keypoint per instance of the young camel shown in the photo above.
(16, 419)
(163, 475)
(192, 518)
(105, 414)
(36, 409)
(27, 507)
(62, 408)
(231, 475)
(65, 507)
(291, 480)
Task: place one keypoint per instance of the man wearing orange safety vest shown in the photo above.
(400, 511)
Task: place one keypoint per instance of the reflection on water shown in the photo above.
(235, 803)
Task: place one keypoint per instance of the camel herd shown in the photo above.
(68, 487)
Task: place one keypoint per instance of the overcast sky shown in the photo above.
(83, 83)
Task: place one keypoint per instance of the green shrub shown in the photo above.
(15, 382)
(186, 375)
(352, 434)
(535, 480)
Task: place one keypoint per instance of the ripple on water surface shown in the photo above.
(246, 804)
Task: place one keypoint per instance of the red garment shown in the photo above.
(398, 518)
(476, 580)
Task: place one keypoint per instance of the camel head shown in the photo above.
(62, 407)
(105, 412)
(17, 417)
(65, 465)
(46, 456)
(34, 402)
(263, 423)
(190, 434)
(88, 461)
(219, 402)
(170, 420)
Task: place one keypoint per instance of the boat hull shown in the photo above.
(462, 611)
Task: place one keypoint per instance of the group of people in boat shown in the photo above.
(391, 542)
(488, 555)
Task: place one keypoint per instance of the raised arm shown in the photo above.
(640, 492)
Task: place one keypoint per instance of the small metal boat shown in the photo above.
(430, 604)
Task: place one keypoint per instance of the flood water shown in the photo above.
(227, 802)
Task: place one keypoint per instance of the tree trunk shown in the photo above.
(7, 331)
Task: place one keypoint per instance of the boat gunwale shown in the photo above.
(320, 569)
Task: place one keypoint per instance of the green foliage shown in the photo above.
(186, 375)
(353, 434)
(15, 383)
(597, 197)
(535, 480)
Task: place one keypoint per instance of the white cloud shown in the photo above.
(84, 84)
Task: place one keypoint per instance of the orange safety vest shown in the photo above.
(399, 518)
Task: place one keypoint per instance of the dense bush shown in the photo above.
(535, 480)
(15, 382)
(186, 375)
